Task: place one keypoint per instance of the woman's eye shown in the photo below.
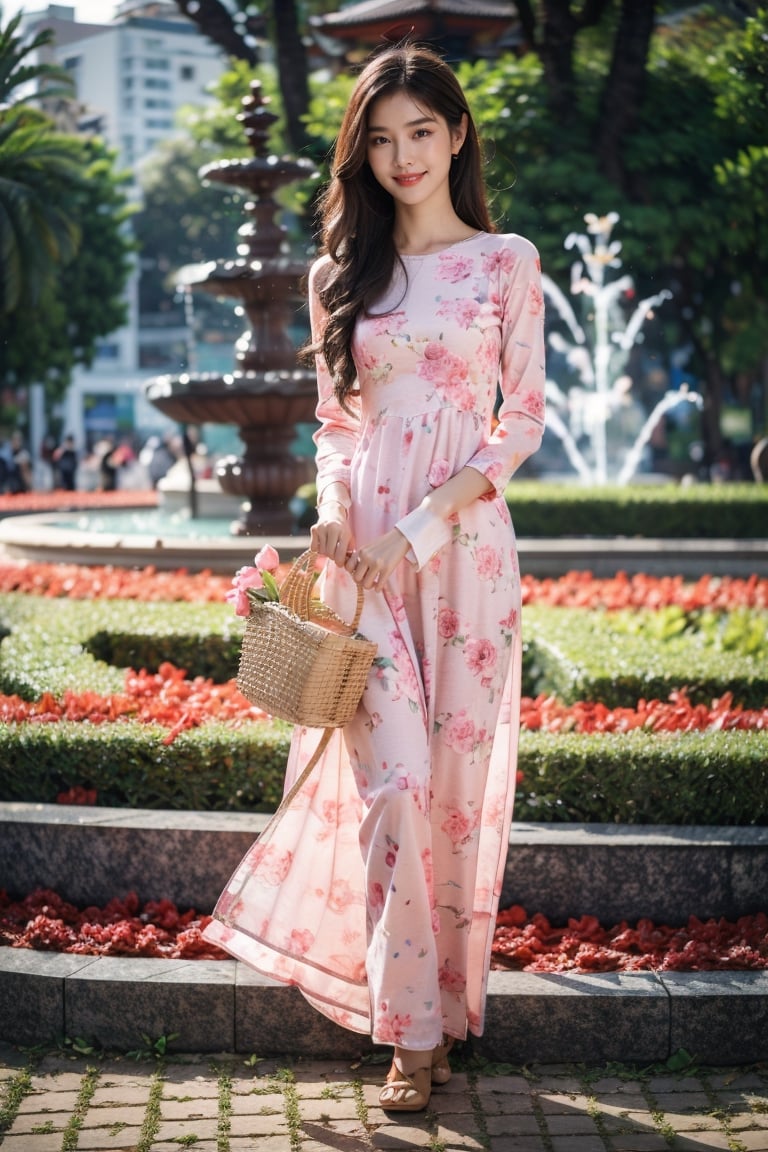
(421, 132)
(378, 140)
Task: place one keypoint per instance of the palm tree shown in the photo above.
(37, 167)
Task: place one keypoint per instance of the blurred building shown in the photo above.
(131, 77)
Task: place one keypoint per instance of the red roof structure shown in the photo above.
(455, 25)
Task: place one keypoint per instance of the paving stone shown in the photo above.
(50, 1142)
(618, 1104)
(691, 1121)
(753, 1141)
(58, 1082)
(103, 1117)
(257, 1144)
(565, 1125)
(189, 1109)
(255, 1125)
(509, 1085)
(577, 1144)
(204, 1128)
(512, 1125)
(518, 1144)
(45, 1102)
(24, 1124)
(330, 1109)
(255, 1105)
(497, 1104)
(400, 1136)
(640, 1142)
(660, 1084)
(107, 1140)
(701, 1141)
(682, 1101)
(748, 1120)
(562, 1102)
(193, 1089)
(457, 1136)
(119, 1095)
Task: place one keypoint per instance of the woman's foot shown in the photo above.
(409, 1082)
(441, 1069)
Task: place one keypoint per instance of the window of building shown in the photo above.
(127, 63)
(156, 63)
(161, 123)
(157, 102)
(128, 83)
(72, 63)
(106, 351)
(129, 149)
(187, 72)
(152, 42)
(129, 104)
(158, 85)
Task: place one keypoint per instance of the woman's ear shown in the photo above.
(459, 134)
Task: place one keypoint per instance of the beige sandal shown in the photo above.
(441, 1069)
(406, 1093)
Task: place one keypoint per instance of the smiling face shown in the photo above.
(410, 150)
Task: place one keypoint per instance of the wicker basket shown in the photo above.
(301, 662)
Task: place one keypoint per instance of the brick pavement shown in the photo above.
(61, 1103)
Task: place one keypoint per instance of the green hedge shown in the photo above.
(633, 778)
(693, 778)
(645, 778)
(705, 511)
(211, 768)
(621, 657)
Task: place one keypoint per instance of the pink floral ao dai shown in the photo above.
(376, 891)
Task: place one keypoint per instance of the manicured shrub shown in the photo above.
(704, 511)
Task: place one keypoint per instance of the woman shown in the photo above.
(377, 891)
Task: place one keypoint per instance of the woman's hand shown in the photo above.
(331, 536)
(374, 564)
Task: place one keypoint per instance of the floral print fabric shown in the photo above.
(376, 890)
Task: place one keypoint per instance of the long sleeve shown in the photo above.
(336, 438)
(522, 372)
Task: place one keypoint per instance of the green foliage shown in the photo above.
(213, 769)
(640, 777)
(54, 646)
(64, 252)
(703, 512)
(644, 778)
(541, 509)
(620, 658)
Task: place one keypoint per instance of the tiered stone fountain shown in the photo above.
(268, 393)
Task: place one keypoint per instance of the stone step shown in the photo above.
(614, 872)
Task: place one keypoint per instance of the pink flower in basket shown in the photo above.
(257, 581)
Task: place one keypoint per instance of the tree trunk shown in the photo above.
(624, 88)
(560, 28)
(292, 69)
(217, 24)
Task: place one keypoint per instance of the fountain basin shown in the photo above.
(71, 538)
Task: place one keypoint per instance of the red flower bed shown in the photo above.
(167, 698)
(64, 501)
(45, 922)
(574, 590)
(534, 945)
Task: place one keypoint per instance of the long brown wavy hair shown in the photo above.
(357, 215)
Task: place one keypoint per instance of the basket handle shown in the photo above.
(296, 594)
